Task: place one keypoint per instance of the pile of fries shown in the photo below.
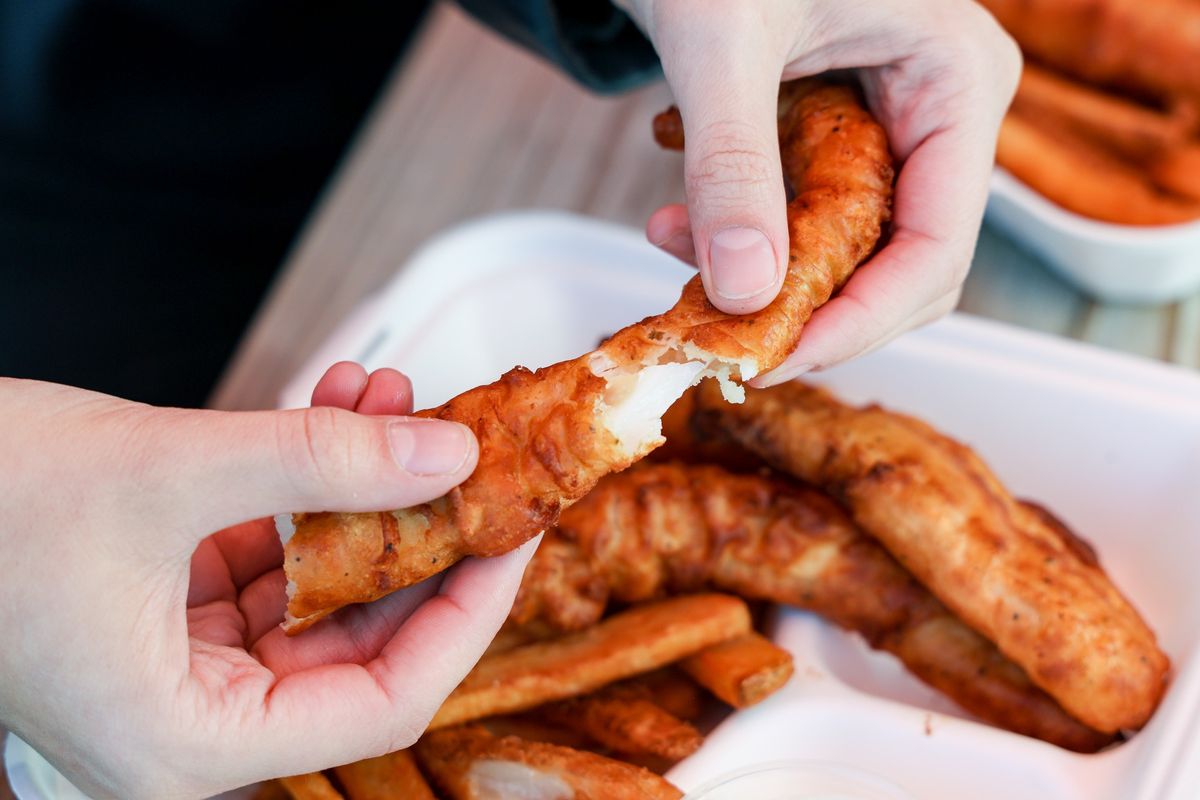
(576, 700)
(598, 713)
(1106, 121)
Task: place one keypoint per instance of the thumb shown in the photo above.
(726, 86)
(221, 468)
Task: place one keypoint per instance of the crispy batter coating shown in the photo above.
(1152, 47)
(547, 436)
(669, 528)
(468, 763)
(999, 564)
(627, 721)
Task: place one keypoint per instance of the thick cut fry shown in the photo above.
(272, 790)
(468, 763)
(661, 528)
(995, 562)
(1178, 170)
(311, 786)
(1134, 130)
(1152, 47)
(670, 690)
(546, 437)
(741, 671)
(511, 637)
(1081, 177)
(635, 641)
(623, 720)
(387, 777)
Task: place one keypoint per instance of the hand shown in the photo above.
(145, 659)
(938, 74)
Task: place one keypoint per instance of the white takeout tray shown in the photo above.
(1117, 263)
(1110, 442)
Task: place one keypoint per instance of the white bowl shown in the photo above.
(1115, 263)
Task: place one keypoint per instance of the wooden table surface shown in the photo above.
(471, 125)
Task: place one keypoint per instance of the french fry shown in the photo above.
(741, 671)
(1178, 170)
(310, 786)
(1083, 178)
(638, 640)
(511, 637)
(468, 763)
(272, 790)
(671, 690)
(384, 778)
(622, 720)
(1131, 129)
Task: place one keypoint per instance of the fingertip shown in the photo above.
(787, 371)
(387, 392)
(341, 386)
(665, 222)
(669, 230)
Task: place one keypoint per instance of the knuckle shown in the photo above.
(317, 446)
(992, 55)
(730, 157)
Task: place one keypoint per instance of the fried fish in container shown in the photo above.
(1004, 567)
(671, 528)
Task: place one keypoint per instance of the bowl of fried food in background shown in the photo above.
(1098, 160)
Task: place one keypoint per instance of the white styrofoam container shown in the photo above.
(1110, 442)
(1117, 263)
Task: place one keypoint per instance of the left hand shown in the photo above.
(144, 658)
(938, 74)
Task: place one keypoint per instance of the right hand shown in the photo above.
(143, 656)
(937, 74)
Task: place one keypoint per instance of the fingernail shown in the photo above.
(743, 263)
(428, 447)
(781, 374)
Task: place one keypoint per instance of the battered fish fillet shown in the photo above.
(1002, 566)
(468, 763)
(547, 436)
(669, 528)
(1152, 47)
